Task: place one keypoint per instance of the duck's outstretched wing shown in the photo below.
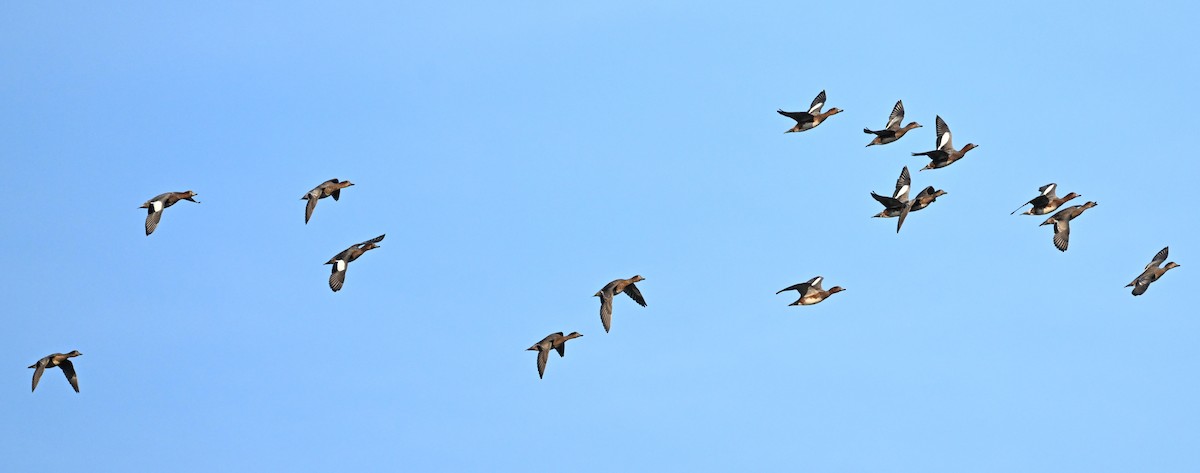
(68, 370)
(944, 141)
(39, 368)
(606, 300)
(632, 291)
(338, 277)
(800, 117)
(543, 357)
(896, 117)
(1062, 234)
(308, 209)
(1159, 258)
(153, 215)
(817, 103)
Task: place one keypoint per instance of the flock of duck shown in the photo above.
(898, 205)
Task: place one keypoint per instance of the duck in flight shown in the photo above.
(811, 292)
(154, 207)
(1061, 221)
(613, 288)
(342, 260)
(1152, 273)
(808, 120)
(556, 342)
(60, 360)
(1047, 202)
(892, 131)
(331, 188)
(945, 154)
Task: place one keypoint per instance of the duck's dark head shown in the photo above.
(188, 195)
(74, 353)
(836, 289)
(572, 335)
(912, 125)
(1170, 265)
(636, 278)
(968, 147)
(833, 111)
(1070, 196)
(346, 184)
(1089, 204)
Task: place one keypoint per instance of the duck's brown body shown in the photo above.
(342, 260)
(331, 188)
(1047, 202)
(892, 131)
(811, 292)
(60, 360)
(613, 288)
(945, 154)
(1061, 221)
(155, 206)
(555, 341)
(1152, 273)
(814, 116)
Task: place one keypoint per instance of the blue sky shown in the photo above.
(521, 155)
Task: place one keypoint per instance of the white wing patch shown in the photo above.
(1050, 189)
(158, 205)
(945, 140)
(341, 265)
(901, 191)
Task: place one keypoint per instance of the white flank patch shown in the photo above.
(341, 265)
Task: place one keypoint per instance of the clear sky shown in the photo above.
(521, 155)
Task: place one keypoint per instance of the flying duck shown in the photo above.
(555, 341)
(611, 289)
(154, 207)
(343, 259)
(808, 120)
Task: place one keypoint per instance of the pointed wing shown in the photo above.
(889, 202)
(308, 209)
(632, 291)
(1140, 287)
(817, 103)
(1158, 258)
(800, 117)
(606, 300)
(374, 240)
(943, 135)
(152, 219)
(336, 194)
(338, 277)
(801, 288)
(902, 184)
(903, 213)
(39, 368)
(543, 357)
(896, 117)
(1062, 234)
(68, 369)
